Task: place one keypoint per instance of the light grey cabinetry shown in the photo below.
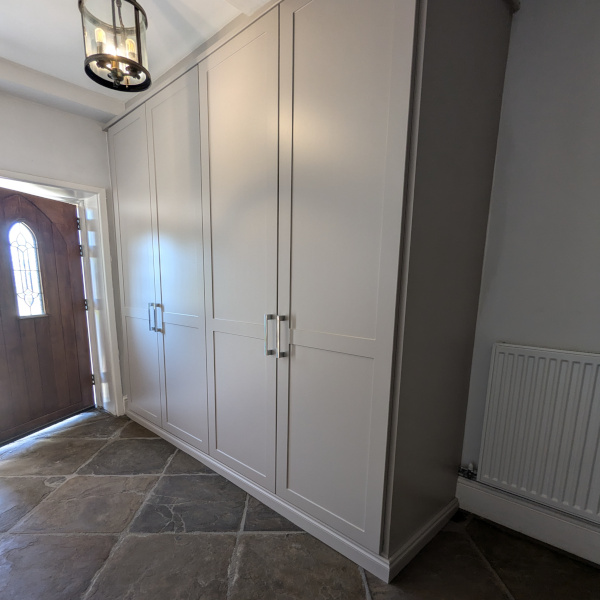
(344, 153)
(239, 102)
(136, 220)
(346, 70)
(155, 153)
(321, 251)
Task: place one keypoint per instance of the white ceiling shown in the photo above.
(46, 36)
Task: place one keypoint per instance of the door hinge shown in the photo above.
(93, 379)
(80, 250)
(85, 305)
(78, 223)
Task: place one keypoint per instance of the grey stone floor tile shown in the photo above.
(135, 430)
(261, 518)
(49, 567)
(189, 503)
(448, 568)
(167, 567)
(90, 505)
(19, 495)
(292, 566)
(531, 570)
(184, 464)
(36, 456)
(130, 457)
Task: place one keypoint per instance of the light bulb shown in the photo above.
(100, 40)
(131, 49)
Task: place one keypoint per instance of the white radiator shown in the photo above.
(541, 436)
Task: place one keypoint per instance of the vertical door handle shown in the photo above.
(151, 327)
(267, 319)
(158, 311)
(278, 352)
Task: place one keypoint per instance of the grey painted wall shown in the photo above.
(541, 280)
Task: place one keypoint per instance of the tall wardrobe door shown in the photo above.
(345, 94)
(239, 121)
(174, 149)
(134, 214)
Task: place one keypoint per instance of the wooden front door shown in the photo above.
(45, 369)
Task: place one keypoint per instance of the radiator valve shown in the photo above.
(469, 472)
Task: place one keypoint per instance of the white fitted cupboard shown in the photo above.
(155, 153)
(268, 203)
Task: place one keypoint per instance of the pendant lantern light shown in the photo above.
(114, 35)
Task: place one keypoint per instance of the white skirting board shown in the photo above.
(383, 568)
(406, 553)
(544, 524)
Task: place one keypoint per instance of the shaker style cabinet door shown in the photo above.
(239, 93)
(174, 149)
(136, 232)
(345, 93)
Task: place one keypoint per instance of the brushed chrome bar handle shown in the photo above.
(278, 352)
(150, 327)
(267, 319)
(157, 308)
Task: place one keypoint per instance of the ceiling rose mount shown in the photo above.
(114, 36)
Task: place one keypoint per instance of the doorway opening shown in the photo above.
(94, 303)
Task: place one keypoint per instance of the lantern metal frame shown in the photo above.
(111, 61)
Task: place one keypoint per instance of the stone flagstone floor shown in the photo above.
(99, 508)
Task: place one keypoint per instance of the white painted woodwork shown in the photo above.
(244, 403)
(155, 153)
(143, 372)
(345, 85)
(239, 125)
(136, 226)
(532, 519)
(174, 150)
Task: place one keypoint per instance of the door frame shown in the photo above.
(92, 208)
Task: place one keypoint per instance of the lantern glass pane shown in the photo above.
(143, 40)
(110, 31)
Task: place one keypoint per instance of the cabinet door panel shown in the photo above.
(134, 212)
(185, 411)
(328, 455)
(345, 97)
(239, 116)
(174, 144)
(244, 388)
(242, 119)
(142, 369)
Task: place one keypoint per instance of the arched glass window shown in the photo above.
(26, 270)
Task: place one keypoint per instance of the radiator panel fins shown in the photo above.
(541, 436)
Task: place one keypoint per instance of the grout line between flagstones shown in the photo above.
(151, 534)
(232, 569)
(67, 478)
(365, 584)
(499, 581)
(126, 532)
